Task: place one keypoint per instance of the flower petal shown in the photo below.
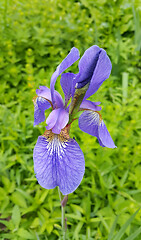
(67, 84)
(67, 62)
(88, 122)
(57, 120)
(101, 73)
(92, 123)
(45, 93)
(90, 105)
(58, 161)
(52, 118)
(62, 121)
(40, 105)
(87, 65)
(105, 137)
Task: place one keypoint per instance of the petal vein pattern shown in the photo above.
(91, 122)
(58, 161)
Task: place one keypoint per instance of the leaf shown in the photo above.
(16, 217)
(24, 234)
(134, 235)
(123, 228)
(18, 199)
(111, 234)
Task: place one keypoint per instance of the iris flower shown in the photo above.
(58, 159)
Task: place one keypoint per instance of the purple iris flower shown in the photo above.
(58, 159)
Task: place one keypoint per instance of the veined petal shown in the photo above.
(88, 122)
(57, 120)
(67, 84)
(58, 161)
(101, 73)
(91, 122)
(40, 105)
(90, 105)
(67, 62)
(45, 93)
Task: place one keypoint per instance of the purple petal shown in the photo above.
(58, 161)
(45, 93)
(67, 62)
(67, 84)
(57, 120)
(39, 116)
(40, 105)
(100, 74)
(62, 121)
(90, 105)
(104, 136)
(88, 122)
(52, 118)
(92, 123)
(87, 65)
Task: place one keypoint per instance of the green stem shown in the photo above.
(63, 216)
(76, 101)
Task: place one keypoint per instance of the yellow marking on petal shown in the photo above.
(34, 99)
(62, 137)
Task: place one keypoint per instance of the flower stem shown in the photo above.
(63, 220)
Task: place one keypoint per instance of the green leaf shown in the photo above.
(25, 234)
(111, 234)
(18, 199)
(134, 235)
(16, 217)
(123, 228)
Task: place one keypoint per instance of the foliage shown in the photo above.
(34, 37)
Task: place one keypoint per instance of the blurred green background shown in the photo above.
(35, 36)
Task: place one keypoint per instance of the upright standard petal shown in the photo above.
(40, 105)
(57, 120)
(101, 73)
(87, 65)
(91, 122)
(72, 57)
(58, 161)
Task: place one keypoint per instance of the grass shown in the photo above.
(34, 39)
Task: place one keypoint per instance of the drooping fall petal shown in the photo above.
(92, 123)
(40, 105)
(58, 161)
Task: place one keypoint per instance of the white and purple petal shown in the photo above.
(57, 120)
(72, 57)
(58, 161)
(40, 105)
(92, 123)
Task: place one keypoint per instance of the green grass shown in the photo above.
(35, 36)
